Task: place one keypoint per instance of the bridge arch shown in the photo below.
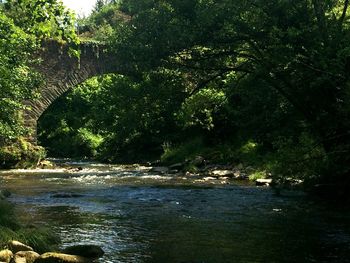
(61, 72)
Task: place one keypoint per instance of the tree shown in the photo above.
(18, 82)
(297, 48)
(23, 27)
(100, 25)
(45, 19)
(129, 120)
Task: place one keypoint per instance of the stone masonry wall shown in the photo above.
(62, 72)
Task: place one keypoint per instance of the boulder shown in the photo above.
(19, 259)
(6, 255)
(240, 175)
(87, 251)
(52, 257)
(29, 256)
(16, 246)
(226, 173)
(209, 178)
(46, 164)
(263, 182)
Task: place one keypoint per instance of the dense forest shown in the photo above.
(259, 83)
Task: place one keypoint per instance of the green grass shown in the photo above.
(7, 215)
(257, 175)
(41, 239)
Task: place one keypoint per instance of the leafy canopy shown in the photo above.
(24, 24)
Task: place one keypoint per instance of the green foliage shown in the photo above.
(72, 129)
(114, 118)
(264, 84)
(257, 175)
(223, 153)
(40, 239)
(200, 108)
(45, 19)
(298, 158)
(101, 24)
(295, 54)
(182, 152)
(17, 82)
(23, 26)
(21, 154)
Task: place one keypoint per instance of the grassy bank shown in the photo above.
(10, 229)
(245, 155)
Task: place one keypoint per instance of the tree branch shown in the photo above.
(238, 68)
(345, 9)
(207, 81)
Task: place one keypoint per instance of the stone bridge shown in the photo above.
(62, 71)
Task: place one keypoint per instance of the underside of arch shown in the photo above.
(60, 72)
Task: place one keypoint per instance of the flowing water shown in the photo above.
(139, 216)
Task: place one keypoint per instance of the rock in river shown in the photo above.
(6, 255)
(16, 246)
(52, 257)
(29, 256)
(263, 182)
(88, 251)
(18, 259)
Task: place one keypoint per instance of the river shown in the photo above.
(138, 216)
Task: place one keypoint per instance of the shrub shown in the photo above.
(187, 150)
(257, 175)
(21, 154)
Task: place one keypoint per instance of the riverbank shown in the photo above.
(40, 240)
(17, 252)
(11, 228)
(197, 168)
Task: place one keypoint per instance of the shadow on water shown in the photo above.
(139, 217)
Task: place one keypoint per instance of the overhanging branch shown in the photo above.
(345, 9)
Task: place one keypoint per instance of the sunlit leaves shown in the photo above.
(17, 81)
(200, 108)
(44, 19)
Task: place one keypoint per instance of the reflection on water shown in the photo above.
(137, 216)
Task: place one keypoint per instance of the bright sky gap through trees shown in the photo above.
(81, 7)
